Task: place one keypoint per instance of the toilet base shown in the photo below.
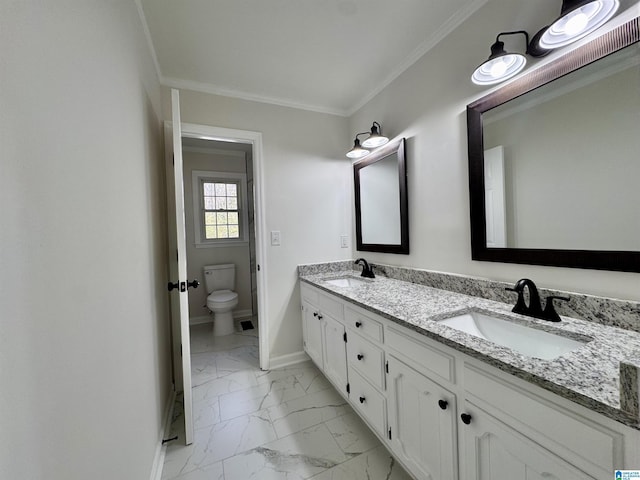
(223, 324)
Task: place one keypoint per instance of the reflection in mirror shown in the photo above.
(570, 156)
(553, 161)
(381, 201)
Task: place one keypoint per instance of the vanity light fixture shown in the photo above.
(357, 151)
(577, 19)
(502, 65)
(374, 140)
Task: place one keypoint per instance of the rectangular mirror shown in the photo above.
(554, 163)
(381, 200)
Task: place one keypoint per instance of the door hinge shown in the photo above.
(176, 254)
(348, 388)
(389, 433)
(344, 337)
(181, 350)
(386, 366)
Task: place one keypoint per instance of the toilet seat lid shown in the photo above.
(222, 296)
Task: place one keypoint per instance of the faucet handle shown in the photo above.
(549, 310)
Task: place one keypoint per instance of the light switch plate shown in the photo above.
(344, 239)
(275, 238)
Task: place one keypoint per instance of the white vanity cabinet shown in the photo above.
(422, 419)
(324, 335)
(493, 450)
(311, 326)
(448, 416)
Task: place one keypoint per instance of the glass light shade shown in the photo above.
(577, 22)
(357, 151)
(498, 69)
(375, 140)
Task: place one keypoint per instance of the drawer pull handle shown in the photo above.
(362, 399)
(466, 418)
(360, 356)
(358, 324)
(443, 404)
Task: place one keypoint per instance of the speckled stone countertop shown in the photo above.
(602, 375)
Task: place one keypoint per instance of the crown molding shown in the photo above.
(147, 35)
(227, 92)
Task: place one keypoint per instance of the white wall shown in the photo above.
(426, 104)
(197, 258)
(308, 185)
(84, 337)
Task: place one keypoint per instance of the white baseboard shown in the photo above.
(209, 318)
(161, 448)
(288, 359)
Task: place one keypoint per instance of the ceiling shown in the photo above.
(323, 55)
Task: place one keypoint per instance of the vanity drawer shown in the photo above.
(419, 355)
(366, 358)
(364, 324)
(308, 293)
(369, 402)
(559, 430)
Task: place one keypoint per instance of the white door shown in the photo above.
(313, 332)
(495, 451)
(422, 421)
(178, 272)
(494, 200)
(334, 352)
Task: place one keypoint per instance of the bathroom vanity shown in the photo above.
(450, 405)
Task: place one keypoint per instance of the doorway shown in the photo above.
(247, 145)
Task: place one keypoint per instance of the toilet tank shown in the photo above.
(219, 277)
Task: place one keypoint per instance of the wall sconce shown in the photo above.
(577, 19)
(375, 139)
(502, 65)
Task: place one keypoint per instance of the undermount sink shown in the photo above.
(346, 282)
(525, 340)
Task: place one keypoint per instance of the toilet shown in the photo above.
(220, 281)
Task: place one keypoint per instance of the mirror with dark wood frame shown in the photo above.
(382, 223)
(552, 174)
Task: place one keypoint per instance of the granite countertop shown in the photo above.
(602, 375)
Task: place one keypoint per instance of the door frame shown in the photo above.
(208, 132)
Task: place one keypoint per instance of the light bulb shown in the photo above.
(498, 68)
(576, 24)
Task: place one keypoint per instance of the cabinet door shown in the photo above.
(422, 421)
(495, 451)
(312, 331)
(334, 350)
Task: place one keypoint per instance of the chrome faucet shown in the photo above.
(534, 307)
(367, 270)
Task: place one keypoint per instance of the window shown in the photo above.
(219, 205)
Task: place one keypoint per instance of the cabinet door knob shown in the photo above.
(358, 324)
(360, 356)
(466, 418)
(319, 317)
(315, 314)
(362, 399)
(443, 404)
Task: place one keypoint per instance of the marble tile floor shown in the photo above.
(285, 424)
